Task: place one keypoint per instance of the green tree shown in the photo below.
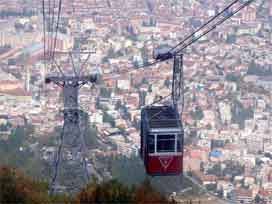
(107, 118)
(240, 114)
(16, 188)
(144, 55)
(198, 113)
(232, 77)
(106, 93)
(231, 39)
(134, 173)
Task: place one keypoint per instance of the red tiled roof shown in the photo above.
(16, 92)
(243, 193)
(264, 193)
(4, 82)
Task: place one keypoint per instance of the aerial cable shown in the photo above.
(84, 63)
(57, 27)
(83, 149)
(48, 23)
(58, 67)
(44, 35)
(57, 161)
(214, 26)
(132, 68)
(46, 31)
(49, 43)
(52, 23)
(205, 24)
(73, 64)
(143, 65)
(139, 67)
(159, 100)
(147, 64)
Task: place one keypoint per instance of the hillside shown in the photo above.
(18, 188)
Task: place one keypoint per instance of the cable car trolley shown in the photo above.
(162, 131)
(161, 140)
(161, 126)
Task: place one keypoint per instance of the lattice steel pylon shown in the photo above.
(72, 141)
(71, 152)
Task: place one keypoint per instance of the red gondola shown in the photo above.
(161, 140)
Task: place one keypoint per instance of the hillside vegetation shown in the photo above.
(15, 187)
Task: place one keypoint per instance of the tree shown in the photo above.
(105, 92)
(16, 188)
(89, 132)
(258, 199)
(111, 191)
(231, 39)
(215, 170)
(202, 166)
(167, 83)
(146, 194)
(144, 55)
(107, 118)
(232, 78)
(134, 169)
(256, 69)
(220, 193)
(198, 113)
(240, 114)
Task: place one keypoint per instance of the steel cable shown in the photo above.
(57, 161)
(57, 27)
(83, 149)
(205, 24)
(44, 35)
(52, 24)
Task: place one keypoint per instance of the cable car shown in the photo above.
(161, 140)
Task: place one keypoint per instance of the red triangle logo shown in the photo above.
(165, 161)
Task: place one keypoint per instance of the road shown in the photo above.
(214, 199)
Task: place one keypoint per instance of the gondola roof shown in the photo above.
(162, 117)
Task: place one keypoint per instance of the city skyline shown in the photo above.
(227, 108)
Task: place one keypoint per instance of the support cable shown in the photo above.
(52, 23)
(84, 63)
(57, 161)
(44, 34)
(46, 31)
(83, 150)
(73, 64)
(205, 24)
(193, 40)
(48, 23)
(57, 27)
(58, 67)
(214, 26)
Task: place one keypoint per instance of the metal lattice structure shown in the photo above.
(72, 138)
(178, 81)
(70, 162)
